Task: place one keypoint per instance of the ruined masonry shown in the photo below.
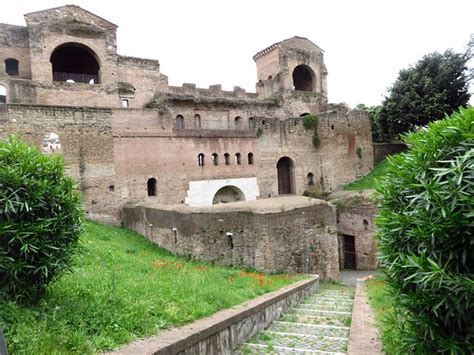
(130, 139)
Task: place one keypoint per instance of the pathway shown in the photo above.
(318, 325)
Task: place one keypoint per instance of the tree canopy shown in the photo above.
(435, 86)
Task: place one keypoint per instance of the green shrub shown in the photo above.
(40, 220)
(426, 234)
(311, 122)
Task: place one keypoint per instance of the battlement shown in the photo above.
(190, 91)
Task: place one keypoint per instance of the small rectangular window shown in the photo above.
(125, 103)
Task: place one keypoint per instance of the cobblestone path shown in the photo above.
(318, 325)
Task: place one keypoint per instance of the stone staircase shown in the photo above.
(318, 325)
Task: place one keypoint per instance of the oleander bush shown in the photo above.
(426, 236)
(40, 220)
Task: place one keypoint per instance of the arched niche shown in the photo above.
(75, 63)
(228, 194)
(285, 168)
(304, 78)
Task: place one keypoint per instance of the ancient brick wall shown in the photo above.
(145, 78)
(299, 240)
(14, 43)
(85, 137)
(381, 150)
(358, 221)
(147, 145)
(345, 151)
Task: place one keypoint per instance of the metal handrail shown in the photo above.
(76, 77)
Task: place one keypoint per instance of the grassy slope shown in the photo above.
(369, 181)
(384, 308)
(124, 287)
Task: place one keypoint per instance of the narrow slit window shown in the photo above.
(226, 159)
(201, 159)
(215, 159)
(237, 159)
(250, 158)
(151, 187)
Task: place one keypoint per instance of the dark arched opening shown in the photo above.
(310, 179)
(179, 122)
(75, 63)
(285, 168)
(250, 158)
(200, 159)
(237, 159)
(215, 159)
(228, 194)
(303, 78)
(151, 187)
(3, 95)
(238, 122)
(197, 121)
(11, 67)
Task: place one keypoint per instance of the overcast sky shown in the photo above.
(209, 42)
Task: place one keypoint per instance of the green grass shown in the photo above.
(385, 314)
(123, 287)
(369, 181)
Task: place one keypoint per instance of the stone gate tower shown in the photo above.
(292, 68)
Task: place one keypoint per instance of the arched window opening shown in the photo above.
(250, 158)
(228, 194)
(197, 121)
(237, 159)
(200, 159)
(11, 67)
(179, 122)
(366, 224)
(151, 187)
(251, 123)
(303, 78)
(3, 95)
(215, 159)
(74, 62)
(285, 168)
(226, 159)
(238, 122)
(310, 178)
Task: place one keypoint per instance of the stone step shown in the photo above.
(325, 307)
(312, 319)
(330, 299)
(319, 312)
(310, 329)
(255, 349)
(301, 341)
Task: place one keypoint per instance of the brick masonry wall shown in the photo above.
(299, 240)
(359, 222)
(381, 150)
(85, 135)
